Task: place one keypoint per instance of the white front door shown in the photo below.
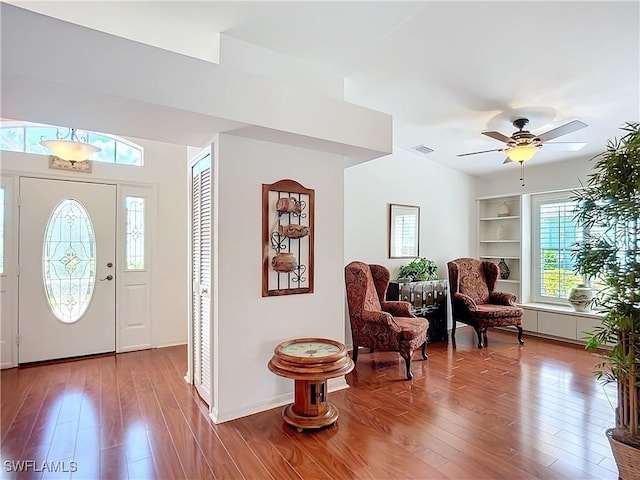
(67, 285)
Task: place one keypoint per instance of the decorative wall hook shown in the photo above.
(287, 230)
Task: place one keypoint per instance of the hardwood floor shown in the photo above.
(502, 412)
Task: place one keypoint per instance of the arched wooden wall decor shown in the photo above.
(287, 238)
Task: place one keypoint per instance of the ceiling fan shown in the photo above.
(522, 145)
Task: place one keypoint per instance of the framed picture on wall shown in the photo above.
(404, 231)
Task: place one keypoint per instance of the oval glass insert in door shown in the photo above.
(69, 260)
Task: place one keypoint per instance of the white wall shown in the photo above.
(164, 95)
(168, 169)
(445, 196)
(165, 168)
(446, 199)
(538, 178)
(185, 38)
(246, 325)
(256, 59)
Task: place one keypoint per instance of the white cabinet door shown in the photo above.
(201, 264)
(586, 326)
(557, 324)
(530, 320)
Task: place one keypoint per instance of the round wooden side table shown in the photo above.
(310, 362)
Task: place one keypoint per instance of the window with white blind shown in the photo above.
(554, 233)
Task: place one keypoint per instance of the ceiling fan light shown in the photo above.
(521, 153)
(70, 150)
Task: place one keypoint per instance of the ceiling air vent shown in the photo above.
(423, 149)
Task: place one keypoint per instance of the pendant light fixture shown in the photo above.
(73, 149)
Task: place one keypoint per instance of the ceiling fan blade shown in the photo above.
(562, 130)
(498, 136)
(564, 146)
(483, 151)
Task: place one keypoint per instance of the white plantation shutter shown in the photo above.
(201, 274)
(195, 275)
(558, 232)
(554, 233)
(205, 276)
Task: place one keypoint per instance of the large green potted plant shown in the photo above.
(609, 210)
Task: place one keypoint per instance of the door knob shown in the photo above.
(108, 277)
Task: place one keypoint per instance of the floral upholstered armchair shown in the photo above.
(376, 323)
(475, 302)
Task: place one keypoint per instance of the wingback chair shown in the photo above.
(475, 302)
(376, 323)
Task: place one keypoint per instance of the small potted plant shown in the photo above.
(419, 269)
(609, 211)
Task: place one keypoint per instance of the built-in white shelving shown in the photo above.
(500, 226)
(499, 241)
(508, 238)
(487, 219)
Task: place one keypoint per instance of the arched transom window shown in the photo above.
(20, 137)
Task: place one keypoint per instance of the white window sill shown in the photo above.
(549, 307)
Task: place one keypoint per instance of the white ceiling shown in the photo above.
(446, 71)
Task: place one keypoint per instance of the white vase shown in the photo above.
(580, 297)
(504, 210)
(501, 232)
